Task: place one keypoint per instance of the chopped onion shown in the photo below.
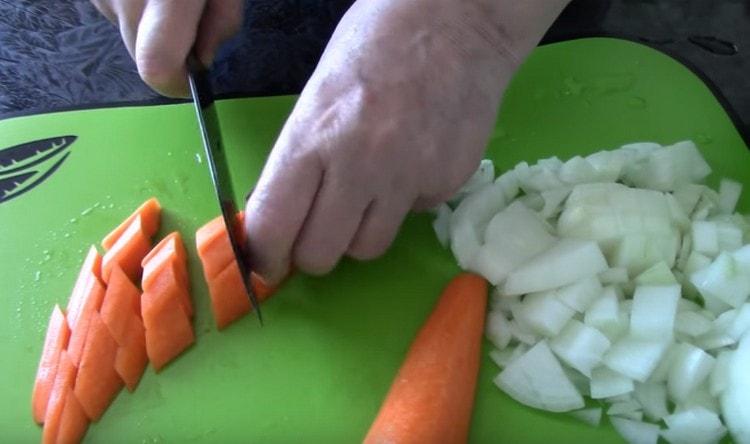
(658, 274)
(653, 397)
(719, 377)
(616, 275)
(536, 379)
(544, 314)
(580, 295)
(736, 396)
(723, 280)
(654, 311)
(603, 313)
(580, 346)
(504, 357)
(551, 269)
(635, 357)
(508, 182)
(694, 426)
(692, 323)
(630, 409)
(592, 416)
(606, 383)
(441, 224)
(636, 432)
(498, 329)
(690, 367)
(705, 238)
(729, 194)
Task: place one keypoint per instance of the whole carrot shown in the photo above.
(432, 397)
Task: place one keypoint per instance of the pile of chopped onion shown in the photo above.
(621, 287)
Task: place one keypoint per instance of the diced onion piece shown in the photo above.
(503, 303)
(577, 170)
(719, 378)
(638, 252)
(700, 397)
(694, 426)
(634, 357)
(441, 224)
(630, 409)
(616, 275)
(608, 164)
(553, 200)
(606, 383)
(705, 237)
(692, 323)
(740, 323)
(580, 346)
(544, 314)
(723, 280)
(688, 196)
(735, 400)
(464, 242)
(669, 168)
(508, 182)
(537, 380)
(551, 269)
(729, 194)
(592, 416)
(658, 274)
(504, 357)
(729, 236)
(470, 219)
(498, 329)
(502, 253)
(654, 310)
(690, 367)
(603, 313)
(580, 295)
(653, 397)
(484, 175)
(521, 333)
(581, 382)
(636, 432)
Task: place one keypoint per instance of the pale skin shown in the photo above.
(395, 117)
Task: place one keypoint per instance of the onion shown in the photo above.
(544, 314)
(536, 379)
(635, 357)
(729, 194)
(580, 295)
(654, 310)
(441, 224)
(653, 397)
(606, 383)
(580, 346)
(694, 426)
(690, 367)
(736, 397)
(498, 329)
(616, 275)
(636, 432)
(658, 274)
(592, 416)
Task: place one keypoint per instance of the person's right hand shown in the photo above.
(159, 34)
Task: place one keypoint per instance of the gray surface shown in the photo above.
(61, 54)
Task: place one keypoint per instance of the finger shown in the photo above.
(222, 19)
(128, 16)
(277, 208)
(166, 34)
(330, 225)
(378, 229)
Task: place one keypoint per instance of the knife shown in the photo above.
(208, 121)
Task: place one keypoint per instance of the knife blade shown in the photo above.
(208, 121)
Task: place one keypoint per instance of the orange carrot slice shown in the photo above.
(168, 328)
(91, 269)
(64, 380)
(73, 422)
(131, 359)
(167, 263)
(229, 300)
(122, 301)
(93, 294)
(432, 396)
(97, 382)
(54, 343)
(150, 213)
(213, 246)
(128, 252)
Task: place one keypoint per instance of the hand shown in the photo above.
(395, 117)
(159, 34)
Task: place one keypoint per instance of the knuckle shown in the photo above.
(157, 71)
(367, 250)
(314, 261)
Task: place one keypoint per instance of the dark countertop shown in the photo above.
(58, 55)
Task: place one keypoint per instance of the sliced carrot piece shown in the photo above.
(128, 252)
(171, 246)
(54, 343)
(168, 328)
(122, 301)
(64, 380)
(91, 269)
(229, 300)
(131, 359)
(93, 294)
(97, 383)
(262, 290)
(213, 246)
(73, 422)
(167, 263)
(432, 396)
(168, 280)
(150, 213)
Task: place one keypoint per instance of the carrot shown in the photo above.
(432, 397)
(64, 380)
(91, 269)
(168, 261)
(54, 344)
(128, 252)
(150, 213)
(167, 322)
(229, 300)
(214, 249)
(97, 382)
(92, 296)
(122, 301)
(131, 359)
(73, 422)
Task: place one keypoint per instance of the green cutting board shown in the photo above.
(330, 347)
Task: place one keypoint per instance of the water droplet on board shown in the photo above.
(37, 276)
(66, 235)
(703, 139)
(169, 153)
(73, 220)
(87, 211)
(198, 158)
(713, 45)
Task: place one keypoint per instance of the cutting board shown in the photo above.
(320, 367)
